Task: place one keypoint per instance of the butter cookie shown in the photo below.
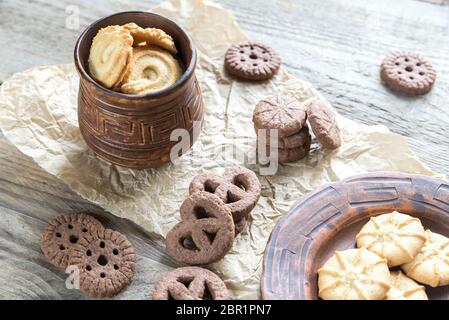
(355, 274)
(431, 265)
(404, 288)
(395, 236)
(110, 54)
(151, 69)
(151, 36)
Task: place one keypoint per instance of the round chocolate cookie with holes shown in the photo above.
(252, 61)
(106, 262)
(408, 73)
(62, 233)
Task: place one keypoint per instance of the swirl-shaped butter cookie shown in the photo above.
(151, 36)
(151, 69)
(110, 53)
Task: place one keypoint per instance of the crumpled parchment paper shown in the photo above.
(38, 115)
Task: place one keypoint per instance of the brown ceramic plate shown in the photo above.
(329, 219)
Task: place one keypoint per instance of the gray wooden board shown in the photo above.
(335, 44)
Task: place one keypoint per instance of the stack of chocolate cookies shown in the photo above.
(281, 125)
(284, 117)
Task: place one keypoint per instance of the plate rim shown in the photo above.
(271, 243)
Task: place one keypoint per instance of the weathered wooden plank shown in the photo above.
(335, 44)
(440, 2)
(338, 46)
(29, 197)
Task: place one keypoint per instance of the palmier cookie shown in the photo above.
(395, 236)
(206, 232)
(106, 262)
(355, 274)
(404, 288)
(62, 233)
(110, 54)
(190, 283)
(281, 112)
(324, 125)
(290, 142)
(151, 36)
(252, 61)
(431, 265)
(408, 73)
(241, 192)
(151, 69)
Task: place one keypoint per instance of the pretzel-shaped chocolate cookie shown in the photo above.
(190, 283)
(239, 188)
(206, 233)
(207, 181)
(241, 192)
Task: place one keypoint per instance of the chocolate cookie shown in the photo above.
(291, 155)
(190, 283)
(252, 61)
(408, 73)
(206, 181)
(241, 192)
(239, 188)
(293, 141)
(106, 262)
(324, 125)
(284, 113)
(206, 232)
(62, 233)
(240, 226)
(245, 179)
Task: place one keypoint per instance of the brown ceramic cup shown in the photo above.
(134, 131)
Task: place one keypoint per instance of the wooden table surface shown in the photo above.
(335, 44)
